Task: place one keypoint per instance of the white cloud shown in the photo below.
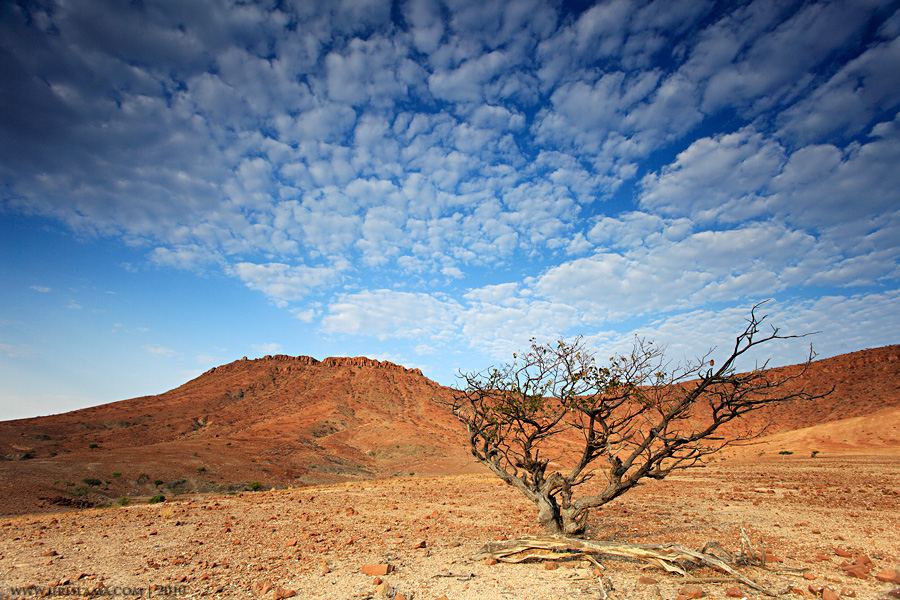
(269, 348)
(821, 185)
(467, 82)
(777, 63)
(744, 175)
(848, 101)
(15, 350)
(716, 178)
(426, 25)
(162, 351)
(703, 267)
(284, 282)
(192, 257)
(369, 71)
(840, 324)
(40, 288)
(635, 229)
(390, 314)
(307, 315)
(498, 326)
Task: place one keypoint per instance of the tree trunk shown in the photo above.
(574, 522)
(549, 516)
(569, 522)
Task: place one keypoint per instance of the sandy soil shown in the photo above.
(314, 541)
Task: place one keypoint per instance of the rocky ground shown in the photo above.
(811, 514)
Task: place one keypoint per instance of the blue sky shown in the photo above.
(434, 183)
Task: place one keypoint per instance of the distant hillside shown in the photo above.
(277, 420)
(283, 420)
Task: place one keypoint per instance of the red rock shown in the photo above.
(815, 588)
(383, 569)
(858, 571)
(809, 576)
(850, 593)
(646, 580)
(798, 591)
(490, 561)
(735, 592)
(894, 593)
(843, 553)
(888, 576)
(49, 553)
(821, 557)
(324, 570)
(399, 596)
(444, 597)
(281, 592)
(261, 588)
(384, 590)
(862, 559)
(421, 544)
(551, 565)
(829, 594)
(691, 591)
(771, 558)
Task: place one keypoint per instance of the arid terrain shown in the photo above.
(368, 471)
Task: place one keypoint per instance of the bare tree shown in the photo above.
(640, 417)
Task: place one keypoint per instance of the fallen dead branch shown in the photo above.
(663, 556)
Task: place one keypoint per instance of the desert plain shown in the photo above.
(371, 495)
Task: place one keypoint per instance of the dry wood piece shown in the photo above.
(664, 556)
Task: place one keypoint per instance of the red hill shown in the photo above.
(291, 421)
(279, 420)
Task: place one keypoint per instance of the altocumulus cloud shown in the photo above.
(465, 174)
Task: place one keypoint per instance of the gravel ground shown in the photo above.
(313, 542)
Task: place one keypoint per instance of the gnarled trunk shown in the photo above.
(555, 520)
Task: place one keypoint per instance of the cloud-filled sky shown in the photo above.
(435, 182)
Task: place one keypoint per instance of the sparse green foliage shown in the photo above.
(814, 454)
(156, 499)
(255, 486)
(158, 482)
(92, 446)
(124, 501)
(91, 481)
(638, 416)
(785, 452)
(116, 474)
(201, 469)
